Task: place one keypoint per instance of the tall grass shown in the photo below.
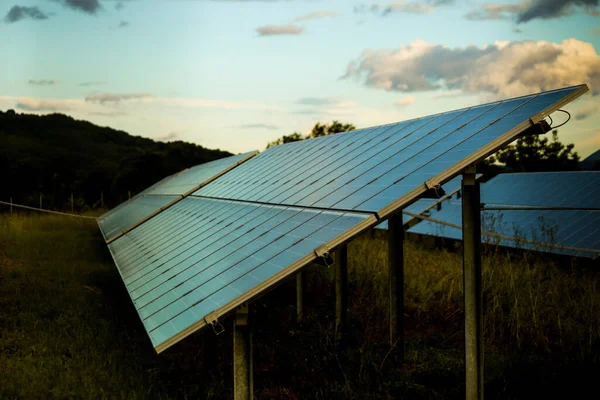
(529, 299)
(68, 328)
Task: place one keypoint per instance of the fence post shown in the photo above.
(72, 204)
(129, 194)
(40, 201)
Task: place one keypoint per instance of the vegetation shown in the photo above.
(536, 153)
(317, 131)
(57, 155)
(68, 328)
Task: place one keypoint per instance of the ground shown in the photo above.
(69, 330)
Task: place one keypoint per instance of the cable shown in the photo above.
(568, 119)
(551, 120)
(47, 211)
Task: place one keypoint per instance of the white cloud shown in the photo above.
(316, 15)
(115, 97)
(410, 7)
(504, 69)
(405, 101)
(44, 105)
(495, 11)
(272, 30)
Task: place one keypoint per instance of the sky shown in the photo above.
(236, 74)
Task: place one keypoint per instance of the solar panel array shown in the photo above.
(163, 194)
(237, 236)
(571, 228)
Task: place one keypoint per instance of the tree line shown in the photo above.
(56, 155)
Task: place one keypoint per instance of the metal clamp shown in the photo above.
(536, 118)
(212, 320)
(323, 253)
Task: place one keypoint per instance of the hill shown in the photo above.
(57, 155)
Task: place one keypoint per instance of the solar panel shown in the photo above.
(211, 251)
(424, 205)
(575, 189)
(368, 169)
(259, 223)
(163, 194)
(134, 198)
(574, 231)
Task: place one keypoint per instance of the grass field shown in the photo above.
(68, 328)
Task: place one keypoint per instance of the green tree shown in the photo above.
(317, 131)
(294, 137)
(537, 153)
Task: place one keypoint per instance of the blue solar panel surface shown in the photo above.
(163, 193)
(577, 189)
(208, 252)
(189, 179)
(260, 222)
(132, 213)
(422, 205)
(553, 230)
(134, 198)
(367, 169)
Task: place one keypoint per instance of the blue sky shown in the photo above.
(237, 74)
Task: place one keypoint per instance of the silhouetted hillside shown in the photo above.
(58, 155)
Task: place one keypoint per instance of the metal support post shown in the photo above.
(473, 299)
(242, 355)
(396, 281)
(341, 292)
(299, 296)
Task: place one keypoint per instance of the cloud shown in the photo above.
(92, 83)
(403, 7)
(587, 111)
(123, 24)
(18, 13)
(495, 11)
(168, 137)
(119, 6)
(549, 9)
(183, 102)
(317, 101)
(503, 69)
(410, 7)
(108, 114)
(42, 82)
(316, 15)
(405, 101)
(86, 6)
(271, 30)
(115, 98)
(30, 104)
(259, 126)
(528, 10)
